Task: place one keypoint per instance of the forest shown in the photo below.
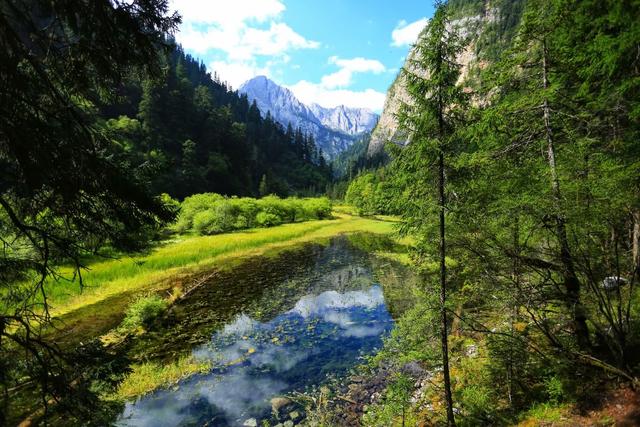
(159, 232)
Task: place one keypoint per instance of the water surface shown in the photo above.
(322, 309)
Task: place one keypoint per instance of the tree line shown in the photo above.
(522, 184)
(194, 134)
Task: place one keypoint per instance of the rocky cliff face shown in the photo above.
(487, 26)
(352, 121)
(334, 129)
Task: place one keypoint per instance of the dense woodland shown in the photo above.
(193, 134)
(520, 190)
(523, 190)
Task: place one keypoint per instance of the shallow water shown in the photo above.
(320, 312)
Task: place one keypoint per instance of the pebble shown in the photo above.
(295, 415)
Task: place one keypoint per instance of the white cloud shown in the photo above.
(309, 93)
(243, 30)
(343, 77)
(242, 42)
(237, 72)
(406, 34)
(225, 12)
(332, 89)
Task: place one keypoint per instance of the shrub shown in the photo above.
(317, 208)
(143, 311)
(192, 206)
(212, 213)
(554, 389)
(370, 194)
(226, 214)
(265, 219)
(206, 222)
(274, 205)
(477, 402)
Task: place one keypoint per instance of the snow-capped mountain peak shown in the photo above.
(334, 129)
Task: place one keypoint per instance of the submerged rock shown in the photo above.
(295, 415)
(280, 406)
(251, 422)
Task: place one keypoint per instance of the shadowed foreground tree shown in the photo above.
(65, 188)
(431, 119)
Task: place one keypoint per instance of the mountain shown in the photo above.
(353, 121)
(333, 129)
(487, 26)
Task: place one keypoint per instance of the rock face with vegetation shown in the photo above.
(486, 27)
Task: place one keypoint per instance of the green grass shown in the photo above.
(149, 376)
(544, 413)
(191, 254)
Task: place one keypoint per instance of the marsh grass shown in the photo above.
(143, 311)
(150, 376)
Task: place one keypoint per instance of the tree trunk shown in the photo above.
(443, 298)
(443, 271)
(636, 240)
(571, 281)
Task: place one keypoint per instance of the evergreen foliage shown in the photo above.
(66, 188)
(541, 178)
(191, 134)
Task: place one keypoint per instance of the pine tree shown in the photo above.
(430, 120)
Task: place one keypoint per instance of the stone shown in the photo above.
(288, 423)
(472, 350)
(412, 369)
(251, 422)
(295, 415)
(279, 406)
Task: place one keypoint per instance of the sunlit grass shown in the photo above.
(545, 414)
(190, 254)
(149, 376)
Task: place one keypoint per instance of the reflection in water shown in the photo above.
(324, 333)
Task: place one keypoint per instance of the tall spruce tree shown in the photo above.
(431, 119)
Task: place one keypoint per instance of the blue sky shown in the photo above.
(330, 51)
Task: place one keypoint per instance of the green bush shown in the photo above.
(206, 222)
(554, 389)
(274, 205)
(370, 194)
(317, 208)
(192, 206)
(265, 219)
(212, 213)
(143, 311)
(477, 402)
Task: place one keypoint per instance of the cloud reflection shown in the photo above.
(255, 361)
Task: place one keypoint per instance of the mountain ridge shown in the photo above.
(487, 27)
(334, 129)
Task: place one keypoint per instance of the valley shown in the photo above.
(269, 213)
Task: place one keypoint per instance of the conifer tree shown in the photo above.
(431, 119)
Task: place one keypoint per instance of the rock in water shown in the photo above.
(279, 406)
